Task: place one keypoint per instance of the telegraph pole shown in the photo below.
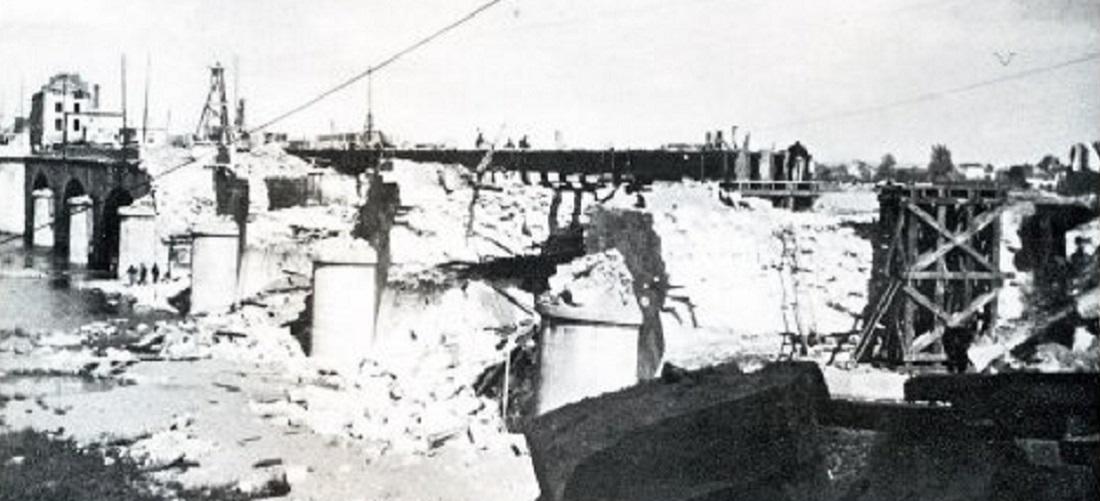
(145, 107)
(125, 123)
(370, 107)
(64, 114)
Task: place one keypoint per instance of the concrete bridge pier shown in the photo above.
(80, 229)
(43, 217)
(214, 259)
(12, 196)
(583, 355)
(137, 241)
(344, 303)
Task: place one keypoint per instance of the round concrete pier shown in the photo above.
(137, 238)
(344, 302)
(43, 217)
(214, 267)
(80, 229)
(584, 354)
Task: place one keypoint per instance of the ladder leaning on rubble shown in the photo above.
(794, 343)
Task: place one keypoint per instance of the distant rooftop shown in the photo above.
(71, 82)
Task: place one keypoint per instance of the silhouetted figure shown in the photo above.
(795, 152)
(1080, 259)
(510, 145)
(1080, 265)
(523, 144)
(480, 142)
(156, 273)
(132, 273)
(143, 274)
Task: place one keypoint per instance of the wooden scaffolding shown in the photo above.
(936, 271)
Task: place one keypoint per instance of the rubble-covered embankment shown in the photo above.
(465, 269)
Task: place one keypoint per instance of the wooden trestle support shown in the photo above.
(936, 271)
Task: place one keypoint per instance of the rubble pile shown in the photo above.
(176, 446)
(723, 261)
(183, 192)
(440, 201)
(1044, 320)
(85, 352)
(597, 282)
(183, 188)
(299, 225)
(387, 413)
(269, 160)
(417, 393)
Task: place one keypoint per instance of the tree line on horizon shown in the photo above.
(939, 169)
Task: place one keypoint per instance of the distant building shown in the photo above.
(681, 147)
(339, 141)
(66, 111)
(352, 140)
(14, 140)
(1043, 182)
(977, 172)
(299, 144)
(154, 136)
(279, 138)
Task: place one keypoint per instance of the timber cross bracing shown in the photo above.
(939, 247)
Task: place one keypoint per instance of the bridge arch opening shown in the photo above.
(40, 181)
(73, 188)
(116, 199)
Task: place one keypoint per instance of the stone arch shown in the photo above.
(109, 228)
(41, 180)
(72, 188)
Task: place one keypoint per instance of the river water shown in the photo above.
(38, 291)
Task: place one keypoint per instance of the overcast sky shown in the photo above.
(850, 79)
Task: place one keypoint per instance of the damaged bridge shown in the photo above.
(766, 174)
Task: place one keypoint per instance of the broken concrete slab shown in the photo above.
(714, 432)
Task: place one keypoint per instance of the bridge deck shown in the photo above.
(752, 177)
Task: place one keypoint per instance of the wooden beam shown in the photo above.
(954, 320)
(954, 239)
(956, 275)
(945, 247)
(909, 323)
(869, 328)
(995, 250)
(940, 285)
(923, 300)
(926, 357)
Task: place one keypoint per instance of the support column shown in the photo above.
(584, 357)
(214, 267)
(12, 196)
(137, 238)
(43, 217)
(80, 229)
(314, 190)
(344, 302)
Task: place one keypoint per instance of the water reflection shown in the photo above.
(38, 290)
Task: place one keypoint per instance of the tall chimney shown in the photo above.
(95, 96)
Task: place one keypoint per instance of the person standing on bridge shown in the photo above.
(156, 273)
(143, 274)
(131, 272)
